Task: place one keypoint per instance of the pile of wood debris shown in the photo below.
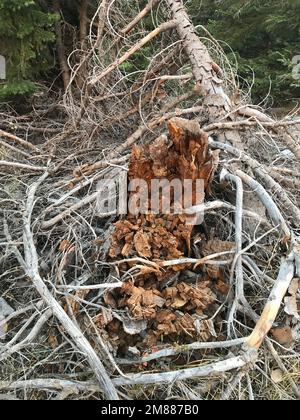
(160, 296)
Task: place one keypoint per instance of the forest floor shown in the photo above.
(151, 294)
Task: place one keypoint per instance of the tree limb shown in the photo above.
(32, 269)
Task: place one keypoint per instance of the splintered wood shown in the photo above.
(165, 236)
(171, 306)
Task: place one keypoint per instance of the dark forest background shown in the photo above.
(260, 39)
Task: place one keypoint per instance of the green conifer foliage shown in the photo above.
(264, 35)
(25, 35)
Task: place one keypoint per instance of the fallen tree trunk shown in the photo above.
(206, 72)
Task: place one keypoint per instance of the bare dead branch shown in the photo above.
(147, 9)
(187, 348)
(265, 323)
(247, 123)
(22, 166)
(18, 140)
(32, 269)
(214, 369)
(162, 28)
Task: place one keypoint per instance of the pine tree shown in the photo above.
(264, 35)
(25, 35)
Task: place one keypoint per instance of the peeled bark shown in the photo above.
(270, 312)
(204, 69)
